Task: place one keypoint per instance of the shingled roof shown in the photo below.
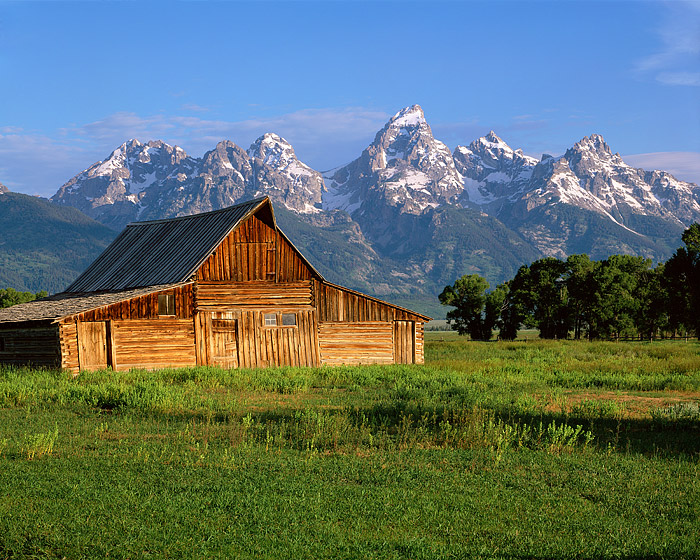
(66, 304)
(161, 251)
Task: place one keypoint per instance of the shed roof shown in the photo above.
(161, 251)
(66, 304)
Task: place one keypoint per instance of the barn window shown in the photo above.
(166, 304)
(2, 344)
(289, 319)
(270, 319)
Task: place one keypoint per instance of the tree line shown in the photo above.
(10, 296)
(618, 297)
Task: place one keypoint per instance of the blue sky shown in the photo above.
(79, 78)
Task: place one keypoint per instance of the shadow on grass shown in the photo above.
(411, 423)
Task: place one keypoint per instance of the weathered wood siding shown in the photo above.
(356, 343)
(404, 342)
(37, 346)
(335, 303)
(92, 345)
(152, 344)
(142, 307)
(130, 343)
(420, 353)
(291, 266)
(281, 345)
(254, 252)
(223, 296)
(69, 346)
(257, 345)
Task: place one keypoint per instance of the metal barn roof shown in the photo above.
(161, 251)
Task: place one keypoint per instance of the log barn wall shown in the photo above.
(37, 346)
(222, 296)
(68, 333)
(420, 343)
(336, 303)
(153, 344)
(241, 337)
(356, 343)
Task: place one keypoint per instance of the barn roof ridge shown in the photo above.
(253, 201)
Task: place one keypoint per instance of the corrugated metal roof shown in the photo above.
(66, 304)
(161, 251)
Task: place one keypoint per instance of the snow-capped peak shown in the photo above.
(490, 143)
(273, 150)
(408, 116)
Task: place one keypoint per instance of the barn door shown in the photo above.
(224, 343)
(92, 345)
(404, 342)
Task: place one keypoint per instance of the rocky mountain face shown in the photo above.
(154, 180)
(405, 168)
(494, 175)
(279, 174)
(408, 215)
(566, 196)
(3, 189)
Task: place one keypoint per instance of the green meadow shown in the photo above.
(536, 449)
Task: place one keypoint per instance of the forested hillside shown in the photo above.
(45, 246)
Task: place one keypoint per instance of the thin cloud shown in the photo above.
(194, 108)
(682, 165)
(322, 138)
(679, 78)
(38, 164)
(677, 61)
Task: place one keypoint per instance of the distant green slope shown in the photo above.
(408, 259)
(44, 246)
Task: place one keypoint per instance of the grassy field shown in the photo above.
(491, 450)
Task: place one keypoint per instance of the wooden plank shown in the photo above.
(92, 345)
(355, 343)
(111, 349)
(154, 343)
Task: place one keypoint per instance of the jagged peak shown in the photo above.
(493, 137)
(225, 144)
(594, 142)
(270, 139)
(408, 116)
(270, 142)
(490, 141)
(3, 189)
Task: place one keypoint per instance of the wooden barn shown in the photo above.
(224, 288)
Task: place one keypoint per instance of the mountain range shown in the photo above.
(408, 215)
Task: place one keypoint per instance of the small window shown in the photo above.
(2, 344)
(166, 304)
(289, 319)
(270, 319)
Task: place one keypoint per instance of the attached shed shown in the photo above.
(222, 288)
